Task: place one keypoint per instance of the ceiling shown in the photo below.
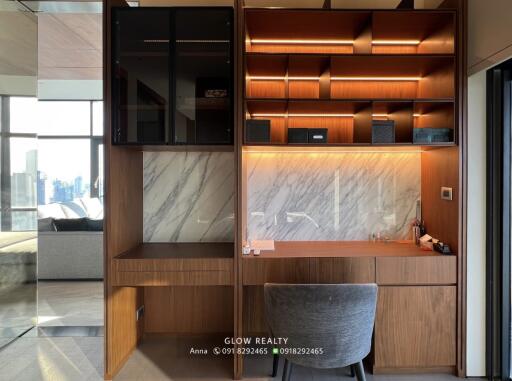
(70, 46)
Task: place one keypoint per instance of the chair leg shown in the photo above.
(287, 371)
(360, 371)
(352, 371)
(275, 365)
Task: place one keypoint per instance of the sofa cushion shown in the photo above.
(94, 225)
(93, 207)
(46, 225)
(71, 224)
(74, 209)
(53, 210)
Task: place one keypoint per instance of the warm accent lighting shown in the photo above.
(304, 115)
(375, 78)
(282, 78)
(396, 42)
(386, 115)
(287, 41)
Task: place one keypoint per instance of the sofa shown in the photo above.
(70, 240)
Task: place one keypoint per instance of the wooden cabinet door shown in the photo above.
(342, 270)
(258, 271)
(436, 269)
(415, 327)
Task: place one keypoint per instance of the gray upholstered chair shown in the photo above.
(338, 318)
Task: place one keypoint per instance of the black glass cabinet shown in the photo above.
(172, 78)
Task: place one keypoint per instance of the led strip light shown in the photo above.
(335, 78)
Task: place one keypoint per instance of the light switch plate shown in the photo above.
(447, 193)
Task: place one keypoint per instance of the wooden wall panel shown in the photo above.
(440, 168)
(415, 328)
(188, 310)
(342, 270)
(421, 270)
(123, 228)
(254, 311)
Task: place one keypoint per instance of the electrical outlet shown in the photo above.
(447, 193)
(139, 313)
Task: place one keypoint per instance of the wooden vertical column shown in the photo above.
(239, 116)
(123, 224)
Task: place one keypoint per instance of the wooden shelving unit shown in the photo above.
(340, 70)
(348, 68)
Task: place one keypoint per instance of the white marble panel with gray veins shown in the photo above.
(188, 197)
(331, 196)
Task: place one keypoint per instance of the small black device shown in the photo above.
(317, 135)
(297, 135)
(257, 131)
(428, 135)
(442, 248)
(383, 131)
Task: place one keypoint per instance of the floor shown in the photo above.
(70, 303)
(17, 310)
(81, 358)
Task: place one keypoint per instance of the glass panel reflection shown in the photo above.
(18, 171)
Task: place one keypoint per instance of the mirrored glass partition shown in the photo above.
(18, 171)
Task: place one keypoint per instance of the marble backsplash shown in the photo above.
(331, 196)
(188, 196)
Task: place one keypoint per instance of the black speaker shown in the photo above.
(383, 131)
(257, 131)
(297, 135)
(317, 135)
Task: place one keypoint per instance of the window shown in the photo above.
(18, 163)
(69, 136)
(50, 151)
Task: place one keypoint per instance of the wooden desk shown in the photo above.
(175, 264)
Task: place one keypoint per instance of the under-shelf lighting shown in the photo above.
(375, 78)
(396, 42)
(302, 115)
(296, 41)
(386, 115)
(335, 78)
(318, 115)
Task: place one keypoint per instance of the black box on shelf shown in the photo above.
(429, 135)
(383, 131)
(297, 135)
(257, 131)
(317, 135)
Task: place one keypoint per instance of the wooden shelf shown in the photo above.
(174, 250)
(335, 249)
(175, 264)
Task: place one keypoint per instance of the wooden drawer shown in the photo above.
(439, 269)
(257, 271)
(342, 270)
(172, 278)
(415, 328)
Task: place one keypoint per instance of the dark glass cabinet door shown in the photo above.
(141, 75)
(203, 76)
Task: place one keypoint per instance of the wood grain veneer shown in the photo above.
(294, 270)
(123, 227)
(334, 249)
(342, 270)
(188, 310)
(441, 168)
(415, 327)
(180, 264)
(441, 269)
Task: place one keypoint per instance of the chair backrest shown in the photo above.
(336, 319)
